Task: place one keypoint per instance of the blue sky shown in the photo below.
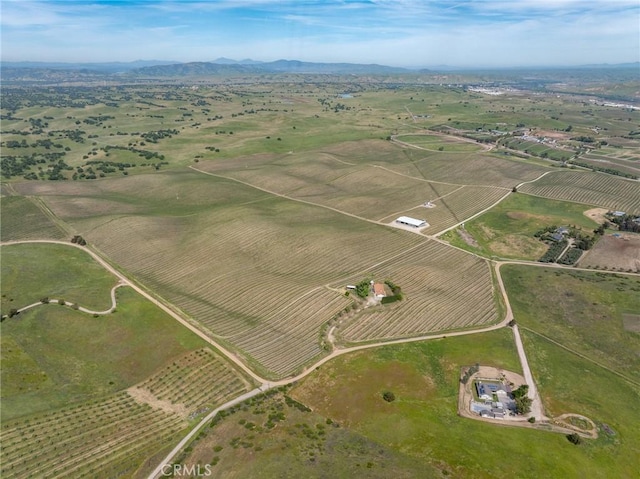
(391, 32)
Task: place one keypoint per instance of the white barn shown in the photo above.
(406, 220)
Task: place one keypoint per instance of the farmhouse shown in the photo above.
(378, 290)
(487, 390)
(406, 220)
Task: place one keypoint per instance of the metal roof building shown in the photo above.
(406, 220)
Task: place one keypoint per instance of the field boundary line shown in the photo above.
(41, 205)
(492, 206)
(502, 198)
(426, 180)
(560, 266)
(418, 206)
(580, 355)
(280, 195)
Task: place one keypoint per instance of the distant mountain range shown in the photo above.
(149, 69)
(220, 66)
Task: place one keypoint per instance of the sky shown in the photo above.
(406, 33)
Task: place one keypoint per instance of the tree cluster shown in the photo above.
(523, 402)
(554, 252)
(469, 372)
(363, 288)
(627, 223)
(77, 239)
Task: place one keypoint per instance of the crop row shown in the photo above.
(458, 206)
(247, 274)
(472, 169)
(77, 443)
(363, 190)
(589, 188)
(22, 220)
(444, 289)
(292, 336)
(195, 379)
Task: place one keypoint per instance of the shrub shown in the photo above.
(388, 396)
(574, 438)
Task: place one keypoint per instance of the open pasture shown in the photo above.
(596, 189)
(587, 314)
(23, 220)
(444, 289)
(570, 384)
(422, 421)
(31, 272)
(53, 355)
(272, 436)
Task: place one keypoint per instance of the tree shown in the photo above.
(521, 391)
(523, 402)
(388, 396)
(523, 405)
(363, 288)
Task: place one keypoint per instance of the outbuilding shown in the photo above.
(407, 220)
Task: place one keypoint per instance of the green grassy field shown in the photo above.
(271, 437)
(422, 421)
(31, 272)
(508, 229)
(569, 384)
(74, 356)
(587, 312)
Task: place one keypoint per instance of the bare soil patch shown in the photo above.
(621, 252)
(596, 214)
(146, 397)
(579, 423)
(464, 234)
(510, 245)
(556, 135)
(631, 322)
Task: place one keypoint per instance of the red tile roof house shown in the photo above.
(378, 290)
